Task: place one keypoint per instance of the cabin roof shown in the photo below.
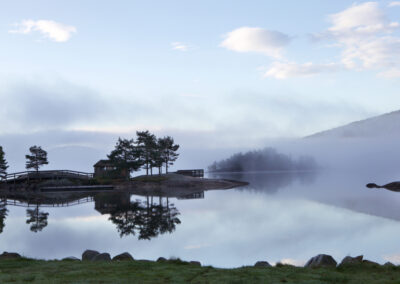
(103, 163)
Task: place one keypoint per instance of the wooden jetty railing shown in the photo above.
(14, 202)
(53, 174)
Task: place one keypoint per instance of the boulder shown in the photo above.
(89, 254)
(197, 263)
(123, 256)
(262, 264)
(321, 260)
(348, 260)
(71, 258)
(161, 259)
(365, 261)
(9, 255)
(389, 264)
(102, 257)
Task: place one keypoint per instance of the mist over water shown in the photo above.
(280, 216)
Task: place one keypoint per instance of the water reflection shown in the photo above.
(3, 213)
(269, 182)
(37, 219)
(145, 218)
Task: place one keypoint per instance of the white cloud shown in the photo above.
(363, 18)
(394, 4)
(54, 31)
(284, 70)
(247, 39)
(365, 35)
(180, 46)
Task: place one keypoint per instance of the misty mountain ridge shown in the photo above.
(385, 125)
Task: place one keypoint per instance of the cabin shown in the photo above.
(108, 169)
(191, 173)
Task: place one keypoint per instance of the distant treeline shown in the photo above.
(267, 159)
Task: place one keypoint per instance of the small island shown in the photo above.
(146, 152)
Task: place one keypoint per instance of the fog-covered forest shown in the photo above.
(267, 159)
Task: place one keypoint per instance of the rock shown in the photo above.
(9, 255)
(89, 254)
(123, 256)
(389, 264)
(321, 260)
(71, 258)
(197, 263)
(102, 257)
(348, 260)
(161, 259)
(365, 261)
(262, 264)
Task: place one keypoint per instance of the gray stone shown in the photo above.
(89, 254)
(365, 261)
(197, 263)
(348, 260)
(262, 264)
(102, 257)
(71, 258)
(123, 256)
(9, 255)
(321, 260)
(389, 264)
(161, 259)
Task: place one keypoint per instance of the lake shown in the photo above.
(287, 217)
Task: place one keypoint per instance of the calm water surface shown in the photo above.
(279, 217)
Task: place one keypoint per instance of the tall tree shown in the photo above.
(126, 156)
(3, 164)
(147, 145)
(37, 158)
(168, 151)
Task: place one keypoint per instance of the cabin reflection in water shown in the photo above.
(145, 218)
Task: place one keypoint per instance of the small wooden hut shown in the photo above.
(108, 169)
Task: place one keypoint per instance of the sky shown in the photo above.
(237, 72)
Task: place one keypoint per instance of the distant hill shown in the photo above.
(385, 125)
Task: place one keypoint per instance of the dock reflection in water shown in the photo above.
(145, 218)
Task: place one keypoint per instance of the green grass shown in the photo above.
(151, 178)
(38, 271)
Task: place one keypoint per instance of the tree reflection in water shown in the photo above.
(37, 219)
(146, 219)
(3, 213)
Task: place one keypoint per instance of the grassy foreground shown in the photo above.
(38, 271)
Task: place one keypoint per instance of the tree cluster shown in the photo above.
(145, 152)
(267, 159)
(145, 219)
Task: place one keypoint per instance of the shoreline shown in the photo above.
(99, 267)
(167, 182)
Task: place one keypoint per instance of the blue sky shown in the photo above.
(265, 68)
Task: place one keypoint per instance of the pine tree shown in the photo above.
(126, 156)
(37, 159)
(147, 145)
(3, 164)
(168, 151)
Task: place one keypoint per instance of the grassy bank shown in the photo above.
(37, 271)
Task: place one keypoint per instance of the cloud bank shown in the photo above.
(52, 30)
(363, 32)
